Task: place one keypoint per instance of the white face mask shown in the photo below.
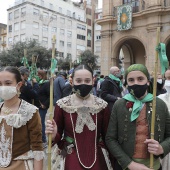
(118, 75)
(7, 92)
(167, 86)
(159, 81)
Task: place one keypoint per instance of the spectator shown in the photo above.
(111, 87)
(166, 98)
(160, 85)
(95, 80)
(59, 84)
(67, 90)
(28, 90)
(43, 101)
(98, 90)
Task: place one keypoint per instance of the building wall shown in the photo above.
(3, 37)
(35, 15)
(97, 35)
(141, 38)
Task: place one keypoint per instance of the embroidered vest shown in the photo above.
(142, 133)
(6, 139)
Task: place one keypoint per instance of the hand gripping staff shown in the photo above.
(161, 53)
(53, 66)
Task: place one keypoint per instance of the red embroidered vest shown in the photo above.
(142, 133)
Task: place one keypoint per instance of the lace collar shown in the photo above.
(65, 104)
(24, 114)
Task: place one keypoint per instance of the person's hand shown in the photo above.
(136, 166)
(42, 106)
(23, 81)
(51, 128)
(154, 147)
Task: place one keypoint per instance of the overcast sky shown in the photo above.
(5, 5)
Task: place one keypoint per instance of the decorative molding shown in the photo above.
(153, 27)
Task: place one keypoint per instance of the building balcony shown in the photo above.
(141, 6)
(3, 43)
(3, 32)
(137, 6)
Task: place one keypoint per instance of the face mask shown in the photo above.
(83, 89)
(159, 81)
(137, 90)
(7, 92)
(118, 75)
(167, 86)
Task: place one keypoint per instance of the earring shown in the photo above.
(18, 93)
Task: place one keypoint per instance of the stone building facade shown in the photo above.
(138, 44)
(3, 37)
(40, 20)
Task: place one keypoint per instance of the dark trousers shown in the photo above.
(43, 115)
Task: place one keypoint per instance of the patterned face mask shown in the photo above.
(7, 92)
(83, 89)
(138, 90)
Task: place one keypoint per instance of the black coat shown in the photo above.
(44, 95)
(67, 90)
(110, 91)
(29, 93)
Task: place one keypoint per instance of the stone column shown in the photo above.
(151, 52)
(107, 8)
(106, 35)
(106, 55)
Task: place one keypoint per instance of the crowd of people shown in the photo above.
(101, 122)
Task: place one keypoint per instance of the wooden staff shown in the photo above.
(33, 73)
(154, 96)
(51, 103)
(25, 55)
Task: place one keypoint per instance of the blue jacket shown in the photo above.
(59, 84)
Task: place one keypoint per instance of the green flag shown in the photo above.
(162, 57)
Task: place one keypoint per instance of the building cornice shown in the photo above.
(136, 16)
(44, 8)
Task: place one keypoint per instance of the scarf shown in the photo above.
(137, 106)
(116, 79)
(42, 81)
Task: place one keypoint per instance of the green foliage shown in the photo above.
(13, 56)
(63, 64)
(87, 57)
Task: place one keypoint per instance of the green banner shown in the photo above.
(124, 17)
(163, 58)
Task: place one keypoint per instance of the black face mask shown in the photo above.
(137, 90)
(82, 89)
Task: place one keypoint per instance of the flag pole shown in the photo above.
(51, 102)
(154, 96)
(25, 55)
